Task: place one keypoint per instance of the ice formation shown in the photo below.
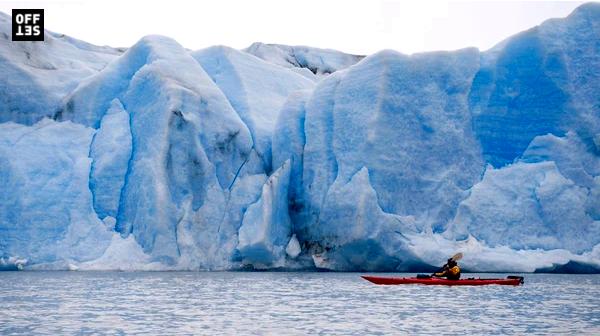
(157, 157)
(304, 60)
(46, 211)
(266, 228)
(36, 76)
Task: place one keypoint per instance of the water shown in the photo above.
(234, 303)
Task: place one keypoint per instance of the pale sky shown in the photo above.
(354, 26)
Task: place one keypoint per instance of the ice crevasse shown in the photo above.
(157, 157)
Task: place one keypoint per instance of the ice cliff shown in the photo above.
(36, 76)
(304, 60)
(157, 157)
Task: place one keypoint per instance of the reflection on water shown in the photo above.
(58, 303)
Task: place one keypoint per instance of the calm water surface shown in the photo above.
(234, 303)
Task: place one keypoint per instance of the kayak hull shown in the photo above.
(511, 281)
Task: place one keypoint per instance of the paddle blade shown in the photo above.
(457, 256)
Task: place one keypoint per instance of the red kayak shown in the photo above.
(511, 281)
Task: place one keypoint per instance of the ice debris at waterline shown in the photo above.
(157, 157)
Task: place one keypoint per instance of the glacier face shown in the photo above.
(37, 227)
(540, 81)
(254, 97)
(307, 61)
(296, 157)
(266, 228)
(36, 76)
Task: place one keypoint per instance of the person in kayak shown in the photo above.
(450, 271)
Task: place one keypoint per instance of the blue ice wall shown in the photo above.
(157, 157)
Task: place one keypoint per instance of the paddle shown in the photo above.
(457, 256)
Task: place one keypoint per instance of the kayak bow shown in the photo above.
(510, 280)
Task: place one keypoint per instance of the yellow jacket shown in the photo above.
(452, 273)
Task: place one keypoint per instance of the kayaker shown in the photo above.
(450, 271)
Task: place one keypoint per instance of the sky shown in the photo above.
(354, 26)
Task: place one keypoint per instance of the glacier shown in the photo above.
(57, 163)
(47, 71)
(156, 157)
(308, 61)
